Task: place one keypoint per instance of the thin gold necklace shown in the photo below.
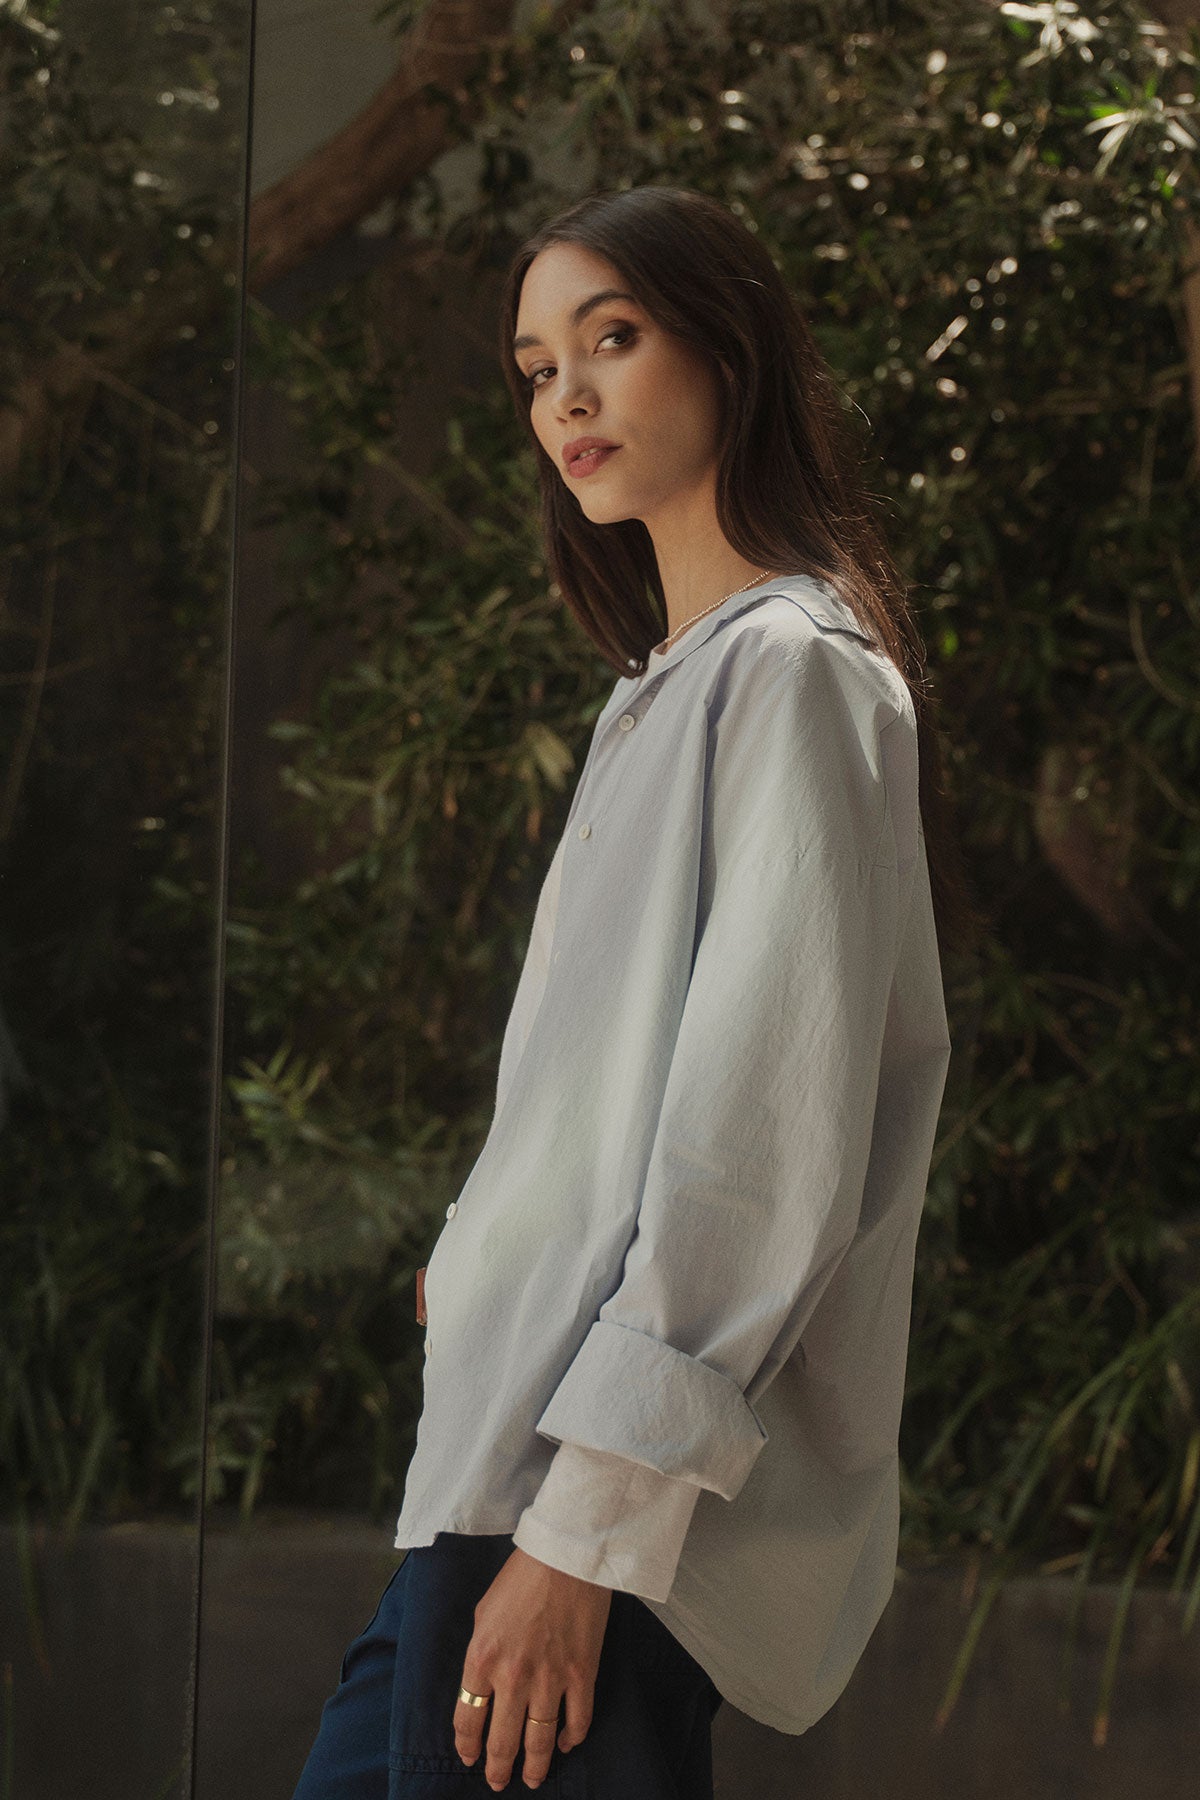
(764, 575)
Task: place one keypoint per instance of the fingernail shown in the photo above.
(469, 1760)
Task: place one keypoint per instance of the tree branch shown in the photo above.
(408, 124)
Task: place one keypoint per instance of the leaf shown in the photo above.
(553, 757)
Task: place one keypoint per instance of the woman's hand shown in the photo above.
(538, 1634)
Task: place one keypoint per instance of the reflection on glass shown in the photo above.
(122, 173)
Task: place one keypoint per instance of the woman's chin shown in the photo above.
(607, 509)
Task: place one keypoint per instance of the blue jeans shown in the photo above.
(387, 1730)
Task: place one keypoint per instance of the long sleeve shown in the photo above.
(754, 1185)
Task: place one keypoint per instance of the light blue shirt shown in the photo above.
(668, 1314)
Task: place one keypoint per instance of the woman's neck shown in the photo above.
(697, 565)
(678, 632)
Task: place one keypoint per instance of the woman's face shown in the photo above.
(604, 369)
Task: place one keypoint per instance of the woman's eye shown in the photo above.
(618, 331)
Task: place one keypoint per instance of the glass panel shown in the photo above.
(356, 1089)
(122, 170)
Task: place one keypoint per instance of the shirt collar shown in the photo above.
(817, 597)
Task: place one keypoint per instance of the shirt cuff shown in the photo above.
(641, 1398)
(618, 1523)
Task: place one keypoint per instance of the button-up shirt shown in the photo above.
(668, 1314)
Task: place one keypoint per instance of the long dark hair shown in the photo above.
(789, 494)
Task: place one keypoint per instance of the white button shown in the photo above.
(626, 722)
(585, 831)
(452, 1209)
(428, 1345)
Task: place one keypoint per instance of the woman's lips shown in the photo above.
(590, 461)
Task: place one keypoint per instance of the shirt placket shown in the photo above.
(618, 729)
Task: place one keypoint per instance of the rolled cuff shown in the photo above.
(607, 1520)
(643, 1399)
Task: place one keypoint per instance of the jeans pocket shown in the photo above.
(368, 1631)
(652, 1642)
(659, 1652)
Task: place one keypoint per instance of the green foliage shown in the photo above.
(116, 570)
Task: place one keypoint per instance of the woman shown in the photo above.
(668, 1312)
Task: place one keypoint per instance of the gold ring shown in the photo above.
(473, 1699)
(534, 1721)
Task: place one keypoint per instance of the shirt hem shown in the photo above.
(419, 1536)
(746, 1700)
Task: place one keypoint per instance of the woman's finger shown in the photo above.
(469, 1720)
(580, 1699)
(504, 1730)
(541, 1726)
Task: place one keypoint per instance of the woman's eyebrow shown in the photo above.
(527, 340)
